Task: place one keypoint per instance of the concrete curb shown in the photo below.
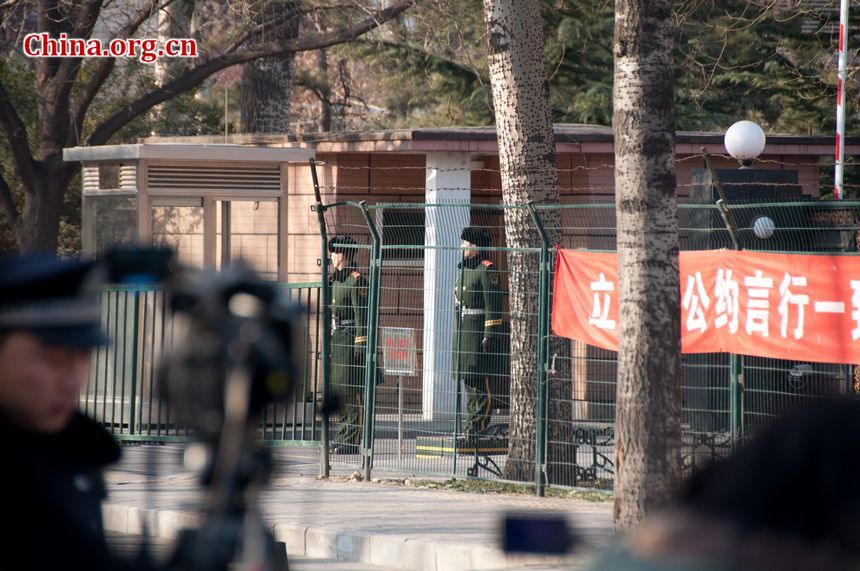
(394, 551)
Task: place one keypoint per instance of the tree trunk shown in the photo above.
(648, 406)
(528, 170)
(174, 21)
(267, 83)
(37, 229)
(325, 122)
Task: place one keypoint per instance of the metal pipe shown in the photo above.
(370, 359)
(542, 353)
(841, 82)
(134, 361)
(736, 387)
(458, 331)
(723, 203)
(324, 349)
(400, 416)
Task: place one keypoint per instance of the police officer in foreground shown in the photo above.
(348, 290)
(51, 485)
(478, 338)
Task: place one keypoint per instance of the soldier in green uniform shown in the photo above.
(478, 338)
(348, 290)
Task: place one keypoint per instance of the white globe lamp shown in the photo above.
(763, 227)
(745, 141)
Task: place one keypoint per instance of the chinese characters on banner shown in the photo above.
(785, 306)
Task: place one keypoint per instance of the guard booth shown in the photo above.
(213, 203)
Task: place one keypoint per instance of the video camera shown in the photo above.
(244, 347)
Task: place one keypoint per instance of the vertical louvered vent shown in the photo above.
(128, 177)
(109, 176)
(252, 179)
(90, 178)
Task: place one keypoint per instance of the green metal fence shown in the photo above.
(552, 417)
(122, 392)
(551, 412)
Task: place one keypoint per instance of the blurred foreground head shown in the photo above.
(798, 478)
(787, 500)
(49, 324)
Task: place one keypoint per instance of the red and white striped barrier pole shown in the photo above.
(841, 77)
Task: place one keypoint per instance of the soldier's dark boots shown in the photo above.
(345, 449)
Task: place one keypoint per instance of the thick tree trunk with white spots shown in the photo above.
(267, 83)
(648, 406)
(174, 21)
(528, 169)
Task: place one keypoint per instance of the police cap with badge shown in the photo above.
(54, 299)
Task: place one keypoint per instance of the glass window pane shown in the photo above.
(109, 220)
(180, 227)
(251, 233)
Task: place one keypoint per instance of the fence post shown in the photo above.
(723, 203)
(736, 373)
(325, 314)
(458, 394)
(542, 341)
(134, 364)
(370, 359)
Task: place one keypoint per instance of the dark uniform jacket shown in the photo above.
(349, 327)
(479, 316)
(51, 490)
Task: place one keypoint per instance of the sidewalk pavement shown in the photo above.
(393, 526)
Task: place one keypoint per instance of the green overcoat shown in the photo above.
(348, 289)
(479, 294)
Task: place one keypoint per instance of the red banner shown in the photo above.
(785, 306)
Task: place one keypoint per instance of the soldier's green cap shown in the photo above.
(477, 235)
(343, 245)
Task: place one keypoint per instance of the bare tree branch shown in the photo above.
(432, 56)
(48, 20)
(253, 32)
(19, 144)
(105, 68)
(319, 88)
(59, 87)
(197, 74)
(85, 20)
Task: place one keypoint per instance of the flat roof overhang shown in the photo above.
(198, 152)
(570, 138)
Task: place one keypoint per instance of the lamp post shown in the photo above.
(735, 223)
(744, 141)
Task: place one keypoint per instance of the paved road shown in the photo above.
(128, 547)
(371, 523)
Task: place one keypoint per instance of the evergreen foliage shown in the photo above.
(771, 62)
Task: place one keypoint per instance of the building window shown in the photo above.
(402, 234)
